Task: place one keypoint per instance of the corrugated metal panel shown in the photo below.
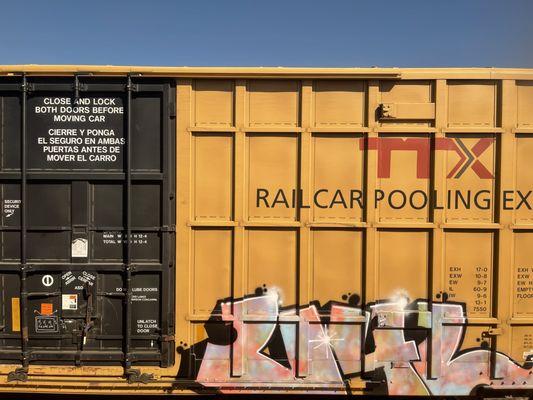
(378, 197)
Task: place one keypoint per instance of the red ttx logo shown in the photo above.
(468, 158)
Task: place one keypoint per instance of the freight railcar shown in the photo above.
(266, 230)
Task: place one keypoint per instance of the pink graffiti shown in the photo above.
(243, 363)
(330, 352)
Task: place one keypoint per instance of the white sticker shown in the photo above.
(10, 206)
(79, 248)
(69, 301)
(48, 280)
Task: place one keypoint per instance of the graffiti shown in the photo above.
(411, 348)
(468, 158)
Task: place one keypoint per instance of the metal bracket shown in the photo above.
(27, 267)
(135, 376)
(78, 87)
(18, 375)
(386, 111)
(168, 228)
(26, 87)
(494, 332)
(407, 111)
(129, 267)
(130, 86)
(168, 338)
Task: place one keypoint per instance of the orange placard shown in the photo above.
(47, 308)
(15, 314)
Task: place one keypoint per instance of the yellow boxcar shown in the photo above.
(279, 230)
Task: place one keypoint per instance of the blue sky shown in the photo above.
(331, 33)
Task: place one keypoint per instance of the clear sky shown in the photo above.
(268, 32)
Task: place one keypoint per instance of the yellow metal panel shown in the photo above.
(184, 212)
(337, 264)
(406, 92)
(505, 215)
(403, 265)
(213, 102)
(524, 178)
(213, 176)
(274, 103)
(305, 187)
(337, 181)
(523, 275)
(211, 269)
(472, 103)
(439, 183)
(271, 263)
(240, 190)
(272, 176)
(470, 184)
(469, 274)
(339, 103)
(522, 344)
(403, 177)
(525, 103)
(408, 111)
(371, 166)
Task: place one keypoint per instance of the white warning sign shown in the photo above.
(80, 248)
(69, 301)
(76, 133)
(10, 207)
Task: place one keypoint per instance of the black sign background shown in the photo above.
(39, 125)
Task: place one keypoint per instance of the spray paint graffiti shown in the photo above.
(254, 343)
